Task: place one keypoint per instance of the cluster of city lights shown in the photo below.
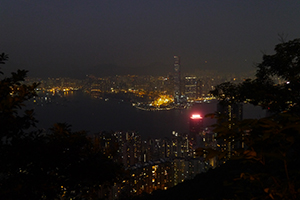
(58, 89)
(139, 93)
(163, 100)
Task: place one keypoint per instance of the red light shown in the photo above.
(196, 116)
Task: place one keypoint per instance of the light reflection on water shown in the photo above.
(94, 115)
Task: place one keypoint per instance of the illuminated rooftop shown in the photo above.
(196, 116)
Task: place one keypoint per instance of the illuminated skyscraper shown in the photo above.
(196, 123)
(190, 87)
(177, 91)
(196, 126)
(199, 89)
(231, 113)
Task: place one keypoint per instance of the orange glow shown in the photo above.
(162, 100)
(196, 116)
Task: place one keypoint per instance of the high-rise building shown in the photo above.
(231, 113)
(199, 89)
(196, 123)
(196, 126)
(177, 91)
(190, 87)
(124, 147)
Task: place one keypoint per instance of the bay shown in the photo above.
(83, 112)
(94, 115)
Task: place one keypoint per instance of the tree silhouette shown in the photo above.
(36, 165)
(270, 142)
(277, 82)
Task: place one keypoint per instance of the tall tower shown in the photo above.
(199, 89)
(231, 112)
(177, 91)
(190, 87)
(196, 126)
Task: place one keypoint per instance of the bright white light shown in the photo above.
(196, 116)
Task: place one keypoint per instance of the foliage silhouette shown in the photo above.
(270, 142)
(277, 82)
(36, 165)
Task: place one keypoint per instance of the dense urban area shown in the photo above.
(152, 92)
(156, 163)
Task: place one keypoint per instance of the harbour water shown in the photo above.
(86, 113)
(94, 115)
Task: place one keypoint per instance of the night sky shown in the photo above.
(105, 37)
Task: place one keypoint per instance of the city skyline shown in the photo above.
(74, 38)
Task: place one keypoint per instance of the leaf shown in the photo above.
(250, 154)
(290, 139)
(266, 190)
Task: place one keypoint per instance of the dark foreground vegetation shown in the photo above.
(34, 165)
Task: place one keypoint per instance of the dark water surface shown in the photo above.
(94, 115)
